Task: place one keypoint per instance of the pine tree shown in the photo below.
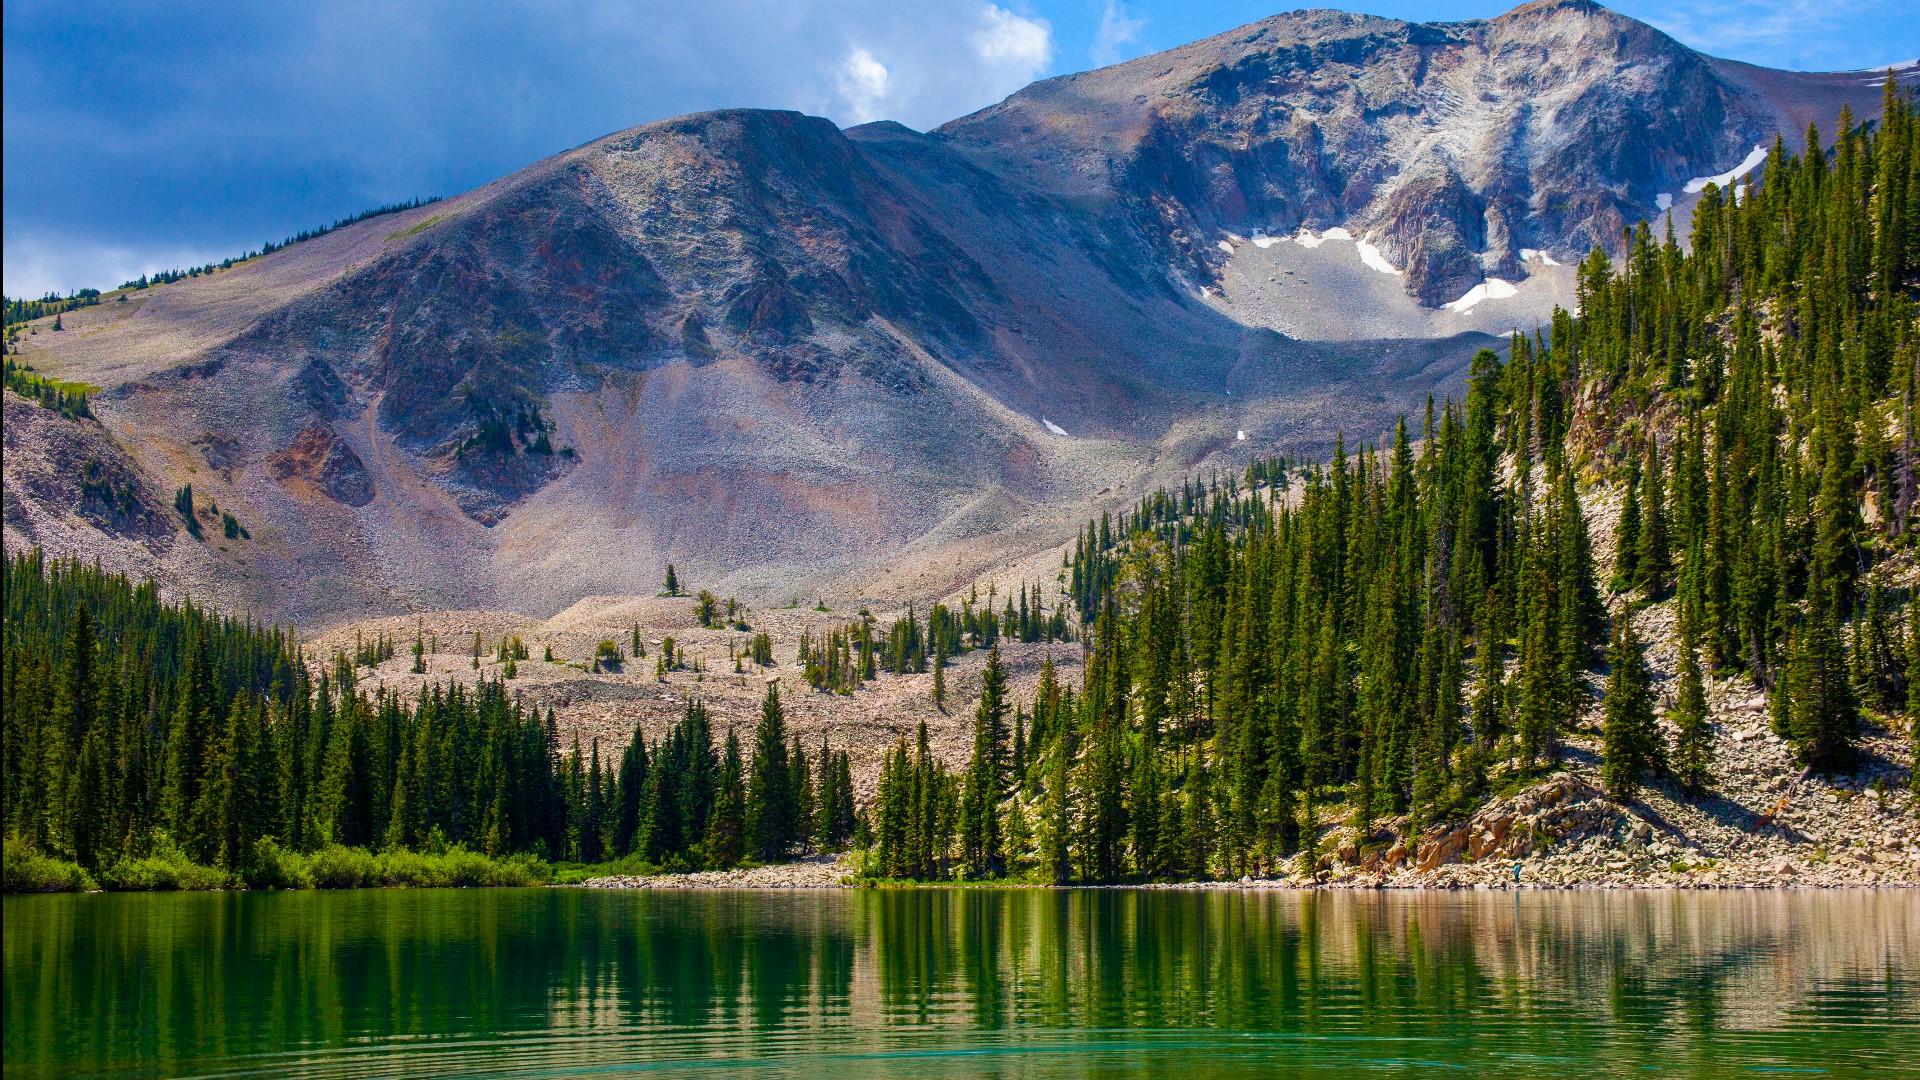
(981, 835)
(1823, 717)
(1629, 734)
(1056, 825)
(1627, 544)
(1653, 560)
(1692, 756)
(772, 807)
(940, 675)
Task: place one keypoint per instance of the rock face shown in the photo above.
(319, 459)
(72, 489)
(1450, 146)
(780, 354)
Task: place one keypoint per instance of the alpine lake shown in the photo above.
(847, 984)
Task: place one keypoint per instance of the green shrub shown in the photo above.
(338, 867)
(460, 868)
(28, 871)
(166, 869)
(275, 867)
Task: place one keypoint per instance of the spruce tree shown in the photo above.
(1692, 756)
(1823, 717)
(981, 835)
(726, 835)
(1627, 546)
(771, 803)
(1653, 560)
(940, 674)
(1629, 735)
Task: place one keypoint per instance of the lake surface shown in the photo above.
(937, 983)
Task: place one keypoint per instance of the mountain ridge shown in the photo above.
(805, 359)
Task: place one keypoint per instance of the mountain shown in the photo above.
(795, 360)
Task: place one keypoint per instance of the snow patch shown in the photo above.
(1878, 75)
(1053, 427)
(1663, 201)
(1262, 241)
(1491, 289)
(1699, 183)
(1372, 257)
(1239, 436)
(1226, 247)
(1306, 238)
(1536, 255)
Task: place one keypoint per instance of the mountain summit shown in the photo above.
(795, 358)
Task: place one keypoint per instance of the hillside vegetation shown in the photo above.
(1395, 638)
(1417, 650)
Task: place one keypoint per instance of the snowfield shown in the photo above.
(1752, 161)
(1490, 289)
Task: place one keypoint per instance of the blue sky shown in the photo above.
(144, 135)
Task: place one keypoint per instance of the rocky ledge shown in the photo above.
(812, 872)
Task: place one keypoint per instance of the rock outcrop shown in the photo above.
(781, 354)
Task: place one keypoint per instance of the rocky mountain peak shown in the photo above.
(1449, 146)
(758, 345)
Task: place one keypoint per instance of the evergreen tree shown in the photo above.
(1692, 756)
(1822, 716)
(1630, 737)
(772, 804)
(1628, 546)
(726, 836)
(981, 836)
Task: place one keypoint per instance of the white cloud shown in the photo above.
(1014, 42)
(147, 153)
(1806, 35)
(1118, 29)
(35, 266)
(863, 86)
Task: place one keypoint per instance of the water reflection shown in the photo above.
(961, 982)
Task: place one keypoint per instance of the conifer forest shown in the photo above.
(1384, 640)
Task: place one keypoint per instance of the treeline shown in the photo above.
(22, 310)
(843, 659)
(165, 277)
(685, 802)
(67, 399)
(1393, 635)
(134, 726)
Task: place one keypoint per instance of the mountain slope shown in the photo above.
(797, 359)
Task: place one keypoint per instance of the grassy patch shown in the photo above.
(416, 229)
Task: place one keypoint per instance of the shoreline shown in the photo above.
(823, 872)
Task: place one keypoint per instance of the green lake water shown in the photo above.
(937, 983)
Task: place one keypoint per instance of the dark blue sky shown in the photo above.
(140, 135)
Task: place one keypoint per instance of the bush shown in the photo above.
(166, 869)
(275, 867)
(339, 867)
(336, 867)
(28, 871)
(271, 866)
(461, 868)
